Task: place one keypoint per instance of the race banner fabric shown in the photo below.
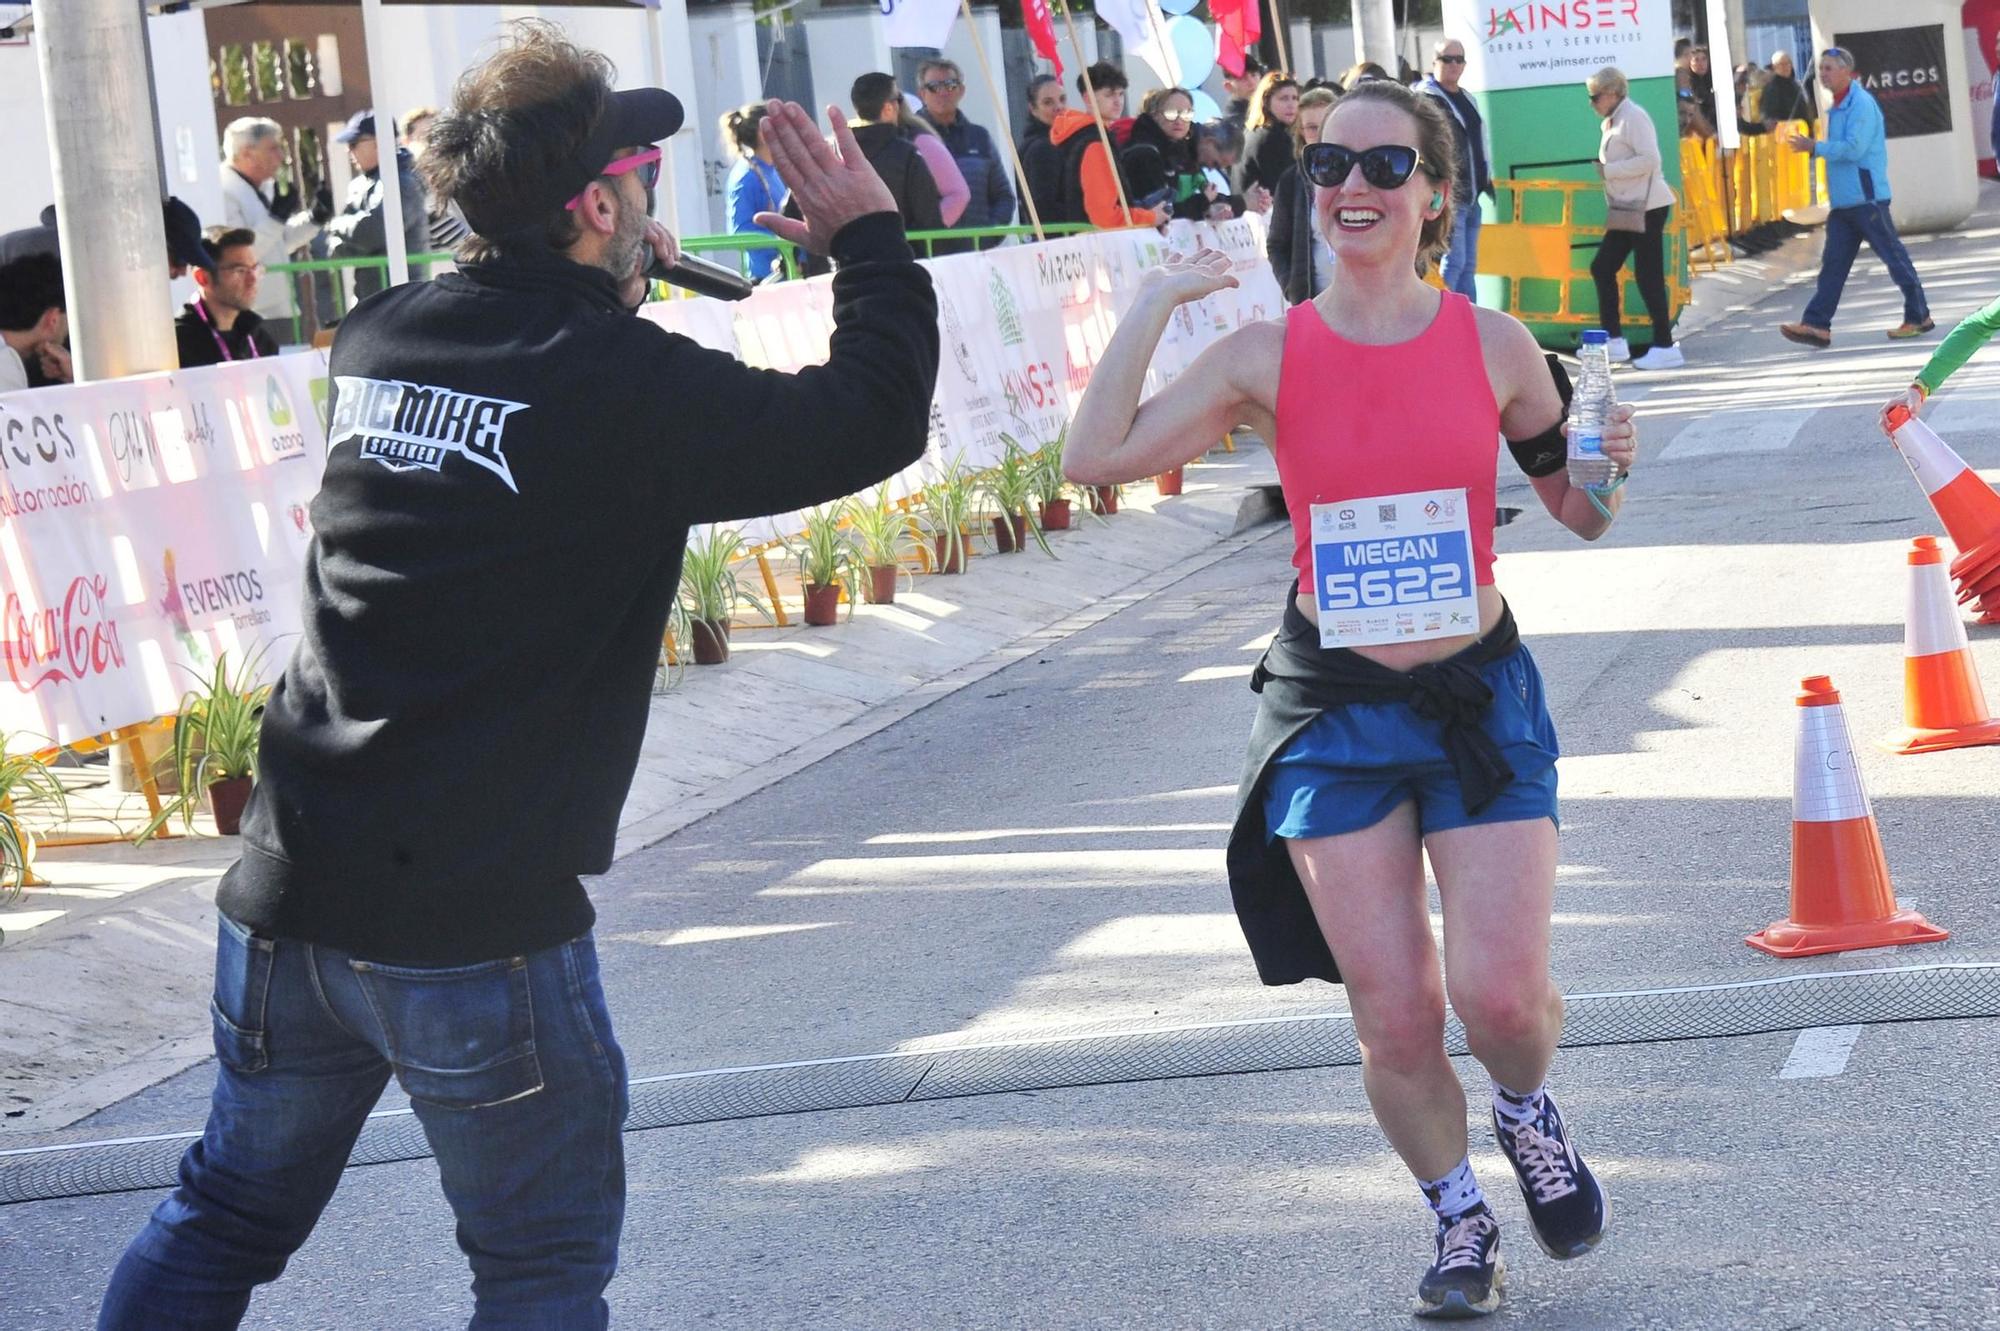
(1515, 44)
(150, 525)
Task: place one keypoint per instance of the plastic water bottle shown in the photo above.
(1591, 406)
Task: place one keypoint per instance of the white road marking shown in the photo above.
(1821, 1051)
(1770, 430)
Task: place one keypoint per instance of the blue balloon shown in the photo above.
(1205, 108)
(1193, 47)
(1178, 6)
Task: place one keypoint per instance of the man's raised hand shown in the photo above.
(832, 184)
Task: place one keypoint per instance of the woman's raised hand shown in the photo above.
(1190, 277)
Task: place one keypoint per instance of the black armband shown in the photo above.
(1548, 452)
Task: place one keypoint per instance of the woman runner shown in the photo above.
(1384, 394)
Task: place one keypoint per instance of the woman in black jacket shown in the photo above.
(1294, 248)
(1166, 124)
(1267, 146)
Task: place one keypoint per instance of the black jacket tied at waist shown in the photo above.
(1296, 681)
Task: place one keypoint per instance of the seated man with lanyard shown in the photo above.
(221, 323)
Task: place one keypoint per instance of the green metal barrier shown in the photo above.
(739, 243)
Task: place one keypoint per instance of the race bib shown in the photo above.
(1395, 568)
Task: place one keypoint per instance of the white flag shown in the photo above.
(918, 22)
(1142, 28)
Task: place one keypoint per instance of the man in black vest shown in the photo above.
(1475, 169)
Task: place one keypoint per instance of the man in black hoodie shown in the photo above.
(895, 159)
(513, 464)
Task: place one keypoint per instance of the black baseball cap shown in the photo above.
(360, 125)
(184, 237)
(632, 116)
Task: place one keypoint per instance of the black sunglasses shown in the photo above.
(1387, 166)
(1451, 60)
(943, 85)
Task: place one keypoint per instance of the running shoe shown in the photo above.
(1619, 350)
(1903, 332)
(1468, 1276)
(1566, 1208)
(1660, 358)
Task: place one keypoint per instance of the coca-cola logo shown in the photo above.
(63, 644)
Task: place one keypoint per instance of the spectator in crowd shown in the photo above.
(987, 173)
(1299, 254)
(1856, 154)
(34, 323)
(1361, 73)
(1475, 170)
(1088, 179)
(1628, 157)
(1267, 143)
(1701, 81)
(417, 122)
(1687, 104)
(1241, 88)
(880, 136)
(360, 230)
(954, 193)
(185, 251)
(754, 184)
(1166, 126)
(1750, 81)
(221, 323)
(1046, 100)
(253, 149)
(1218, 146)
(1784, 100)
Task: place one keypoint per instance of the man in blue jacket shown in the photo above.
(941, 85)
(1856, 153)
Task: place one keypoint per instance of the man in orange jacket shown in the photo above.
(1088, 178)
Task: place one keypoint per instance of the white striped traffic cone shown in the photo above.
(1943, 705)
(1966, 505)
(1841, 896)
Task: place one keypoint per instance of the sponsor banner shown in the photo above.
(1905, 69)
(148, 525)
(1538, 43)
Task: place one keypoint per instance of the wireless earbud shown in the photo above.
(1437, 199)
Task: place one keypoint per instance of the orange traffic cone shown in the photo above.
(1943, 705)
(1966, 505)
(1841, 896)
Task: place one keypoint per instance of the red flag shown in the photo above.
(1241, 23)
(1041, 31)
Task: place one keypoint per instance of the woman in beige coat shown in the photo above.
(1628, 157)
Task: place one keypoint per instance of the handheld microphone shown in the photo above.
(701, 277)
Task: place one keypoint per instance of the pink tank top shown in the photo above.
(1356, 421)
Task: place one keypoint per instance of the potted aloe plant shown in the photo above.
(883, 534)
(1009, 485)
(712, 588)
(1104, 499)
(829, 563)
(950, 496)
(24, 780)
(1169, 482)
(674, 649)
(216, 736)
(1052, 490)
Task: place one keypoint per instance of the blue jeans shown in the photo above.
(1846, 228)
(1461, 262)
(512, 1071)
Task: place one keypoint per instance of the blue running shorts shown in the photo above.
(1353, 765)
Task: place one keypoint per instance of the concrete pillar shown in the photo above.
(845, 44)
(104, 140)
(1375, 32)
(1298, 40)
(723, 42)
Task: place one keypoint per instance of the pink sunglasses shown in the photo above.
(646, 163)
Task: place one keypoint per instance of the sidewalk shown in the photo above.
(117, 951)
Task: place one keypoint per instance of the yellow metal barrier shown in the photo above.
(1543, 241)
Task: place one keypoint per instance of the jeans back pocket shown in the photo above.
(238, 1008)
(460, 1037)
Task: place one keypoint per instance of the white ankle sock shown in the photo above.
(1516, 1108)
(1454, 1194)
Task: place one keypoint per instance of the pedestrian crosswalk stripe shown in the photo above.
(1767, 430)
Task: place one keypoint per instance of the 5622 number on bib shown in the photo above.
(1393, 568)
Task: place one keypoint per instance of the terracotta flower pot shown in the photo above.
(711, 642)
(1055, 515)
(226, 799)
(1169, 482)
(823, 605)
(1104, 499)
(882, 580)
(1010, 532)
(943, 545)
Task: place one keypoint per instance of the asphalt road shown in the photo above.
(1041, 853)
